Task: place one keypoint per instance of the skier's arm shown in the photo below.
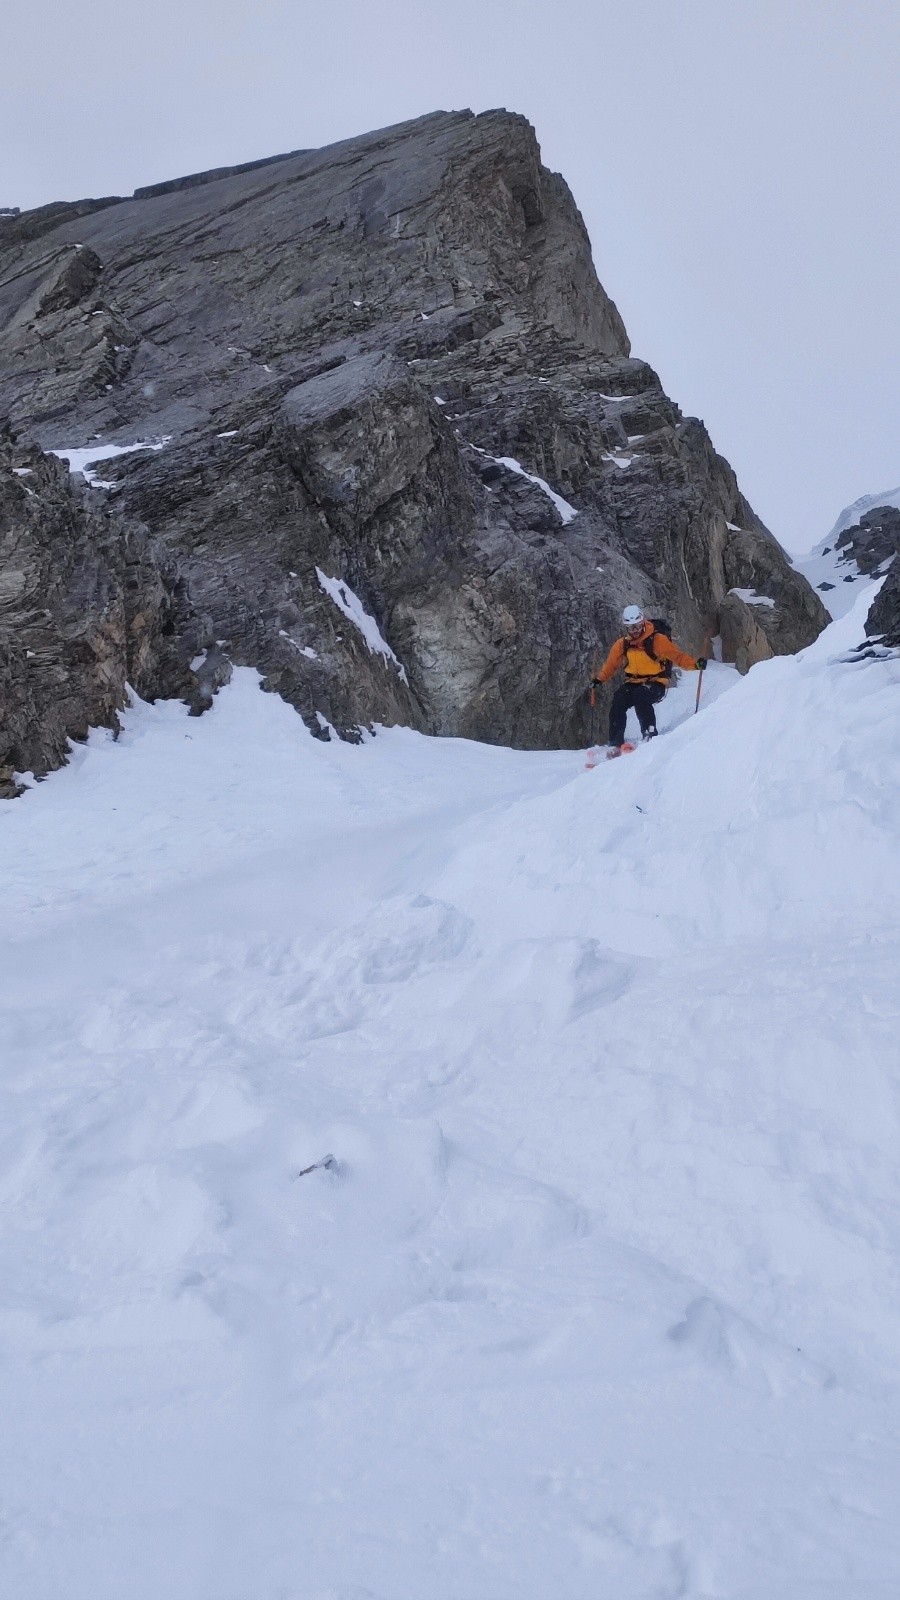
(612, 662)
(670, 652)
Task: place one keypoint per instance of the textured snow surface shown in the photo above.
(600, 1299)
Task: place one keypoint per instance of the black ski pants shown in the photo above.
(642, 697)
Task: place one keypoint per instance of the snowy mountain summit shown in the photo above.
(365, 420)
(863, 544)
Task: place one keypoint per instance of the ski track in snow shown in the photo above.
(600, 1298)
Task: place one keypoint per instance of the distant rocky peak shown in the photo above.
(861, 546)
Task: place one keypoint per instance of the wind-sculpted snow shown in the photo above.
(597, 1298)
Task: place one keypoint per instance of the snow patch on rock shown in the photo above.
(751, 598)
(81, 457)
(566, 511)
(350, 605)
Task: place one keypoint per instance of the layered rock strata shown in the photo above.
(88, 607)
(411, 470)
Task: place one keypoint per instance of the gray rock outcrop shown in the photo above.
(87, 607)
(783, 604)
(883, 621)
(411, 470)
(875, 545)
(874, 541)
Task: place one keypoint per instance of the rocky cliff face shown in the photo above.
(409, 467)
(874, 543)
(884, 618)
(87, 606)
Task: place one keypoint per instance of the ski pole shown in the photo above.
(706, 646)
(593, 699)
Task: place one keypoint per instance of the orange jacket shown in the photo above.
(639, 666)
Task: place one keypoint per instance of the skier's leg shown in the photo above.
(618, 712)
(648, 695)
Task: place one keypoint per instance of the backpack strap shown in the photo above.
(647, 646)
(659, 626)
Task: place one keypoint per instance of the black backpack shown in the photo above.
(659, 625)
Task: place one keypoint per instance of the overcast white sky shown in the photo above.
(736, 162)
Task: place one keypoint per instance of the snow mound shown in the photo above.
(597, 1293)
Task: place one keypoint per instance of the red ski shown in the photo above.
(594, 754)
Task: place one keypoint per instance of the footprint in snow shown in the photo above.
(410, 935)
(599, 977)
(720, 1337)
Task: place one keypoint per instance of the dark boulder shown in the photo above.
(786, 611)
(883, 620)
(881, 552)
(874, 541)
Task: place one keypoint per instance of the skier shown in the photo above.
(648, 657)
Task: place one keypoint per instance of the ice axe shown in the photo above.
(706, 648)
(593, 699)
(327, 1163)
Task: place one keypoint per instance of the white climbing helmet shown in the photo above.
(632, 616)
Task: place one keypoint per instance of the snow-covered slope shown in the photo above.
(599, 1299)
(836, 569)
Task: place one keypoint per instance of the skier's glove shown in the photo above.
(701, 663)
